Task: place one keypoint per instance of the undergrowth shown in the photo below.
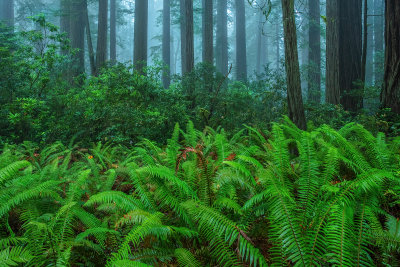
(284, 197)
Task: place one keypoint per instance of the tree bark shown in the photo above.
(89, 42)
(141, 32)
(294, 96)
(7, 13)
(390, 96)
(241, 51)
(261, 45)
(166, 43)
(365, 42)
(222, 37)
(65, 10)
(277, 46)
(77, 28)
(332, 93)
(350, 54)
(101, 53)
(314, 52)
(208, 26)
(344, 53)
(379, 30)
(113, 31)
(187, 36)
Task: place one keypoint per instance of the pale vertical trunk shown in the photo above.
(166, 43)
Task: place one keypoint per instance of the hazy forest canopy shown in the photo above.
(199, 133)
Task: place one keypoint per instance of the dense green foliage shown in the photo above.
(40, 101)
(283, 197)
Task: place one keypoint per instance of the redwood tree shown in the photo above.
(113, 31)
(222, 37)
(101, 54)
(166, 42)
(187, 38)
(207, 22)
(141, 30)
(314, 52)
(294, 96)
(77, 32)
(390, 96)
(241, 51)
(344, 53)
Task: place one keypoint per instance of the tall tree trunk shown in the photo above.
(182, 22)
(222, 37)
(365, 42)
(101, 53)
(141, 32)
(332, 93)
(65, 10)
(314, 52)
(277, 46)
(92, 61)
(260, 44)
(166, 42)
(350, 54)
(390, 96)
(208, 31)
(379, 30)
(113, 31)
(7, 13)
(295, 99)
(187, 36)
(344, 53)
(369, 72)
(77, 28)
(241, 51)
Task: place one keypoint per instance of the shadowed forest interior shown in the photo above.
(199, 133)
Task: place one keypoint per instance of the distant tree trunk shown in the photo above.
(208, 31)
(241, 51)
(101, 53)
(141, 31)
(65, 10)
(379, 29)
(314, 52)
(390, 96)
(113, 31)
(278, 47)
(260, 44)
(89, 42)
(77, 28)
(344, 53)
(166, 42)
(332, 93)
(350, 53)
(182, 22)
(187, 36)
(369, 72)
(222, 37)
(365, 42)
(295, 99)
(7, 13)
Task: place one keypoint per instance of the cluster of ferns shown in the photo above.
(283, 197)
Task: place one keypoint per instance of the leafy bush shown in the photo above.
(286, 197)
